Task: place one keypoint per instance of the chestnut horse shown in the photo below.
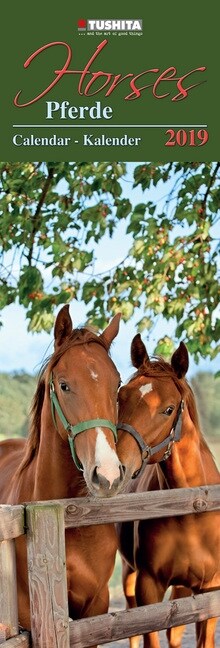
(158, 425)
(70, 452)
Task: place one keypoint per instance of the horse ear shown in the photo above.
(63, 326)
(180, 361)
(138, 351)
(111, 331)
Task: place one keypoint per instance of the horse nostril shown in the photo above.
(95, 477)
(99, 480)
(122, 470)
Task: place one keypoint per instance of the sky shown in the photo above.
(23, 351)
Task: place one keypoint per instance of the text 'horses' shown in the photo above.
(70, 452)
(158, 425)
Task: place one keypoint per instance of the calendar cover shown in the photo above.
(109, 210)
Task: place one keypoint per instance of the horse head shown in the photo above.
(150, 408)
(83, 388)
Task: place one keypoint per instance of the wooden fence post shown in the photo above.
(8, 591)
(47, 576)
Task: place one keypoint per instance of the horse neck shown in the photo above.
(56, 475)
(190, 463)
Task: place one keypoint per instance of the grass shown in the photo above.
(215, 449)
(115, 583)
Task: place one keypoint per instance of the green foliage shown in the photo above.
(165, 348)
(172, 265)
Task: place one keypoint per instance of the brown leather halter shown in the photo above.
(148, 451)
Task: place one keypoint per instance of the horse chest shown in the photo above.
(178, 551)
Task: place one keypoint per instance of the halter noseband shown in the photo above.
(73, 430)
(148, 451)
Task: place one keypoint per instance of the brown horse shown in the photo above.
(70, 452)
(159, 426)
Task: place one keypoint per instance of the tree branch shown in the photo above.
(38, 210)
(211, 181)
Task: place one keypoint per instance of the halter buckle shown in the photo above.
(52, 388)
(145, 453)
(168, 451)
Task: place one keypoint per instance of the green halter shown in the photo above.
(73, 430)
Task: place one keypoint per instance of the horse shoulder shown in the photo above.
(11, 454)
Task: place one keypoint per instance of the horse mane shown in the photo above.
(78, 336)
(157, 367)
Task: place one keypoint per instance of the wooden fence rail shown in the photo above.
(11, 521)
(141, 506)
(119, 625)
(45, 524)
(20, 641)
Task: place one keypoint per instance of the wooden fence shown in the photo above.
(44, 524)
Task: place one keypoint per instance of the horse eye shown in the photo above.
(64, 387)
(168, 411)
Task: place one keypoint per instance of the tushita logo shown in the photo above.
(114, 24)
(82, 24)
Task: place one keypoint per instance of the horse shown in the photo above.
(161, 446)
(70, 452)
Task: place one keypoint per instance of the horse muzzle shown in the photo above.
(107, 483)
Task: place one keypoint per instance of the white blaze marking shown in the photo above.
(94, 374)
(145, 389)
(106, 458)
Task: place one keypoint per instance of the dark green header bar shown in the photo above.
(96, 84)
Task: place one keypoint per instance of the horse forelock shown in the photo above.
(157, 367)
(79, 336)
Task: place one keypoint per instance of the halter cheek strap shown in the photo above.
(148, 451)
(73, 430)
